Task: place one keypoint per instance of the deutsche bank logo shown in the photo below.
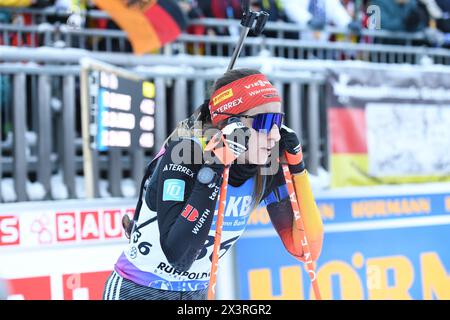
(173, 190)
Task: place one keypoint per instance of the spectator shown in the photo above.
(316, 14)
(193, 11)
(402, 15)
(357, 11)
(434, 9)
(221, 9)
(443, 22)
(438, 33)
(17, 39)
(71, 5)
(276, 12)
(273, 7)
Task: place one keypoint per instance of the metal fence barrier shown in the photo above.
(43, 33)
(42, 132)
(116, 41)
(303, 49)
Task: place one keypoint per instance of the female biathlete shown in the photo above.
(172, 236)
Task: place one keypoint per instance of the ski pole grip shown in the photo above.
(248, 19)
(245, 4)
(263, 17)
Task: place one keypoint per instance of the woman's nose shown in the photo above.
(274, 134)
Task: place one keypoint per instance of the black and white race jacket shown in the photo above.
(171, 248)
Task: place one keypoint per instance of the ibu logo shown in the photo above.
(173, 190)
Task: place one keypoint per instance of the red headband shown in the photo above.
(242, 95)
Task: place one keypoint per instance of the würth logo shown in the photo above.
(190, 213)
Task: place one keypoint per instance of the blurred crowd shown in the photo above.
(430, 16)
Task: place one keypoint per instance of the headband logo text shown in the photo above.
(229, 105)
(259, 83)
(223, 96)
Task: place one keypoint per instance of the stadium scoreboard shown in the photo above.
(121, 112)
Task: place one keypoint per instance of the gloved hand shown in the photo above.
(290, 143)
(75, 21)
(355, 27)
(316, 24)
(229, 143)
(434, 37)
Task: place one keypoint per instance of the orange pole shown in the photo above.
(299, 224)
(218, 236)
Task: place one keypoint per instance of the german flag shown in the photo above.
(349, 160)
(150, 24)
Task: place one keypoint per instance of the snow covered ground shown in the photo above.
(320, 184)
(36, 190)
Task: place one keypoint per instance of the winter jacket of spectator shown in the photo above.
(71, 5)
(444, 5)
(401, 17)
(274, 8)
(221, 9)
(443, 24)
(297, 11)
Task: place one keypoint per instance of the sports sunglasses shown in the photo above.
(262, 122)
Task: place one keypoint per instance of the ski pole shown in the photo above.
(248, 19)
(218, 235)
(247, 22)
(300, 226)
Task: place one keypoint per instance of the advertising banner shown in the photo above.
(377, 245)
(68, 253)
(61, 249)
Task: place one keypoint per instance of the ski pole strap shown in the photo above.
(148, 172)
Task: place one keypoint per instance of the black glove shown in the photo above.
(237, 136)
(434, 37)
(290, 143)
(316, 24)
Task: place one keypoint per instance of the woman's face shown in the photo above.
(261, 144)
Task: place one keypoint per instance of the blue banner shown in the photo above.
(375, 247)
